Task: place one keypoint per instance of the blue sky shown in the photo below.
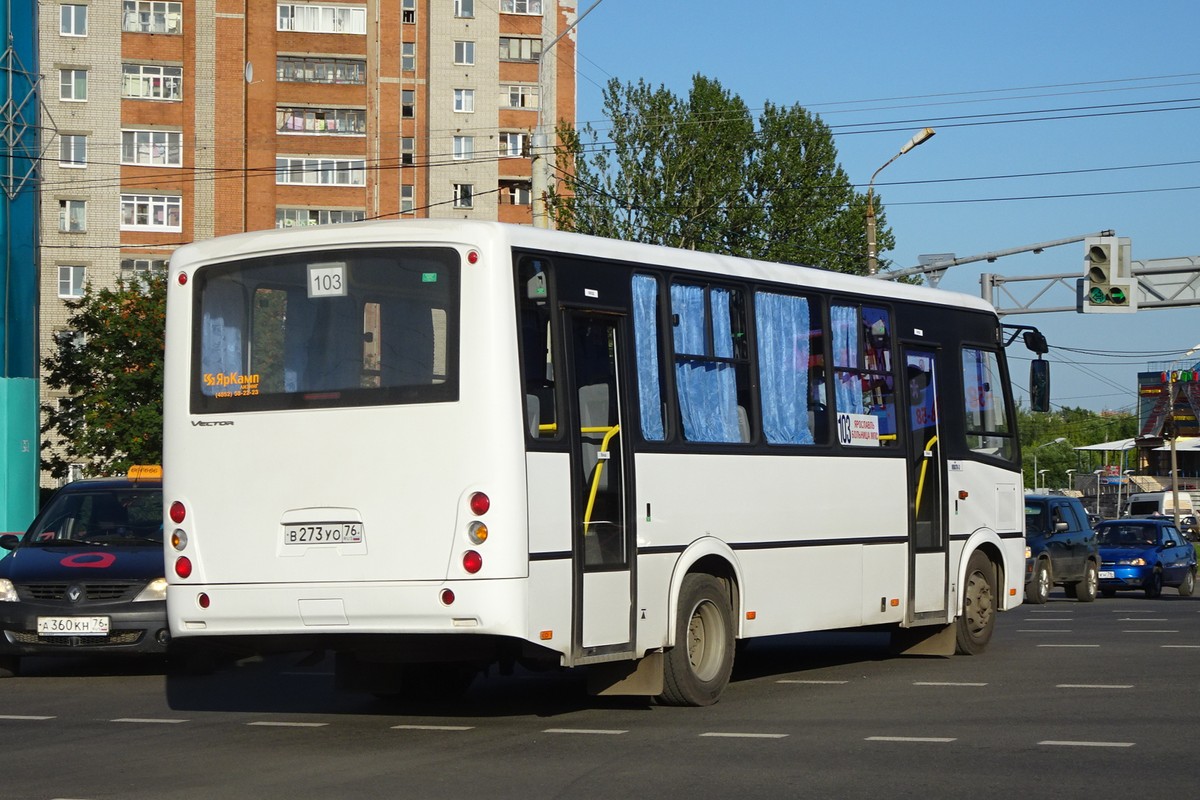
(1124, 77)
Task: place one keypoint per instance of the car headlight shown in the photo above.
(1028, 552)
(155, 590)
(8, 592)
(1133, 562)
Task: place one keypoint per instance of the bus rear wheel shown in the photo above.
(697, 669)
(973, 630)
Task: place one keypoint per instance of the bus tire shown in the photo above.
(973, 629)
(697, 669)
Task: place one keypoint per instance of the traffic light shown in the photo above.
(1107, 287)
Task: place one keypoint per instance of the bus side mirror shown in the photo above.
(1039, 385)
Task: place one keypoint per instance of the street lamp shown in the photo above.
(1070, 485)
(872, 256)
(1098, 473)
(1124, 478)
(1040, 480)
(1059, 440)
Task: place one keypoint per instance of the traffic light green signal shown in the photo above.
(1107, 285)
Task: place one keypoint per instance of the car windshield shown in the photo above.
(1035, 519)
(1128, 535)
(103, 516)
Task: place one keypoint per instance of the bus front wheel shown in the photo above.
(697, 669)
(978, 616)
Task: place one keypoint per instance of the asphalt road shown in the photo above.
(1070, 700)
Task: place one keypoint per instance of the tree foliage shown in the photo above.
(1040, 436)
(702, 173)
(110, 362)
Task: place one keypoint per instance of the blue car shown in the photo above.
(88, 575)
(1145, 554)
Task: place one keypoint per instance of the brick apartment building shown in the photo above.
(174, 121)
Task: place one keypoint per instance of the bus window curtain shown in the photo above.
(707, 389)
(645, 334)
(783, 359)
(847, 385)
(221, 339)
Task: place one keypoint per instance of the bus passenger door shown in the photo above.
(928, 533)
(603, 576)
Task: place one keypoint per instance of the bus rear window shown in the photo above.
(327, 329)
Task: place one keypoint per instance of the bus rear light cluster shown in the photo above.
(477, 531)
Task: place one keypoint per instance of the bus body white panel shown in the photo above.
(549, 502)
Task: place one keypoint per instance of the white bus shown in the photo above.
(436, 446)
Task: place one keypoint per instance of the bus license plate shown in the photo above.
(323, 533)
(72, 626)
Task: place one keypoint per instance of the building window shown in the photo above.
(321, 19)
(408, 103)
(520, 49)
(408, 11)
(464, 100)
(320, 171)
(152, 148)
(519, 96)
(72, 216)
(142, 268)
(72, 150)
(152, 82)
(70, 281)
(513, 145)
(150, 212)
(352, 121)
(464, 8)
(72, 85)
(533, 7)
(152, 16)
(464, 147)
(407, 193)
(463, 193)
(408, 56)
(314, 69)
(408, 147)
(72, 20)
(305, 217)
(517, 194)
(464, 53)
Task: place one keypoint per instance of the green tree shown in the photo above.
(702, 173)
(110, 362)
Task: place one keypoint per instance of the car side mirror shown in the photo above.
(9, 541)
(1059, 527)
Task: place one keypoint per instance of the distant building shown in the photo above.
(171, 122)
(1169, 404)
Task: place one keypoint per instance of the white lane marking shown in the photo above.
(585, 731)
(929, 739)
(1051, 611)
(722, 735)
(1142, 619)
(1042, 630)
(1131, 611)
(150, 720)
(1182, 646)
(946, 683)
(1068, 645)
(24, 717)
(433, 727)
(1093, 686)
(1053, 743)
(814, 683)
(1155, 631)
(270, 724)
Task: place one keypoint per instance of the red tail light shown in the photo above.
(178, 512)
(479, 503)
(183, 566)
(472, 561)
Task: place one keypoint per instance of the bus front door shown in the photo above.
(603, 574)
(927, 525)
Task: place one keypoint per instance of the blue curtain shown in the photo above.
(707, 389)
(223, 332)
(847, 385)
(645, 336)
(783, 358)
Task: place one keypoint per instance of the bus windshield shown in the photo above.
(331, 328)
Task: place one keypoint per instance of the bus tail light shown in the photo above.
(178, 512)
(183, 567)
(477, 532)
(479, 503)
(447, 597)
(179, 539)
(472, 562)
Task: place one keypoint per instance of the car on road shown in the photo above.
(87, 577)
(1145, 554)
(1060, 548)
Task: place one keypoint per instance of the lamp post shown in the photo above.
(1098, 473)
(1040, 479)
(872, 256)
(1059, 440)
(1124, 478)
(1070, 485)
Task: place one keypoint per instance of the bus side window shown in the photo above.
(537, 350)
(862, 361)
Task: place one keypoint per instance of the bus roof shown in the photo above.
(479, 233)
